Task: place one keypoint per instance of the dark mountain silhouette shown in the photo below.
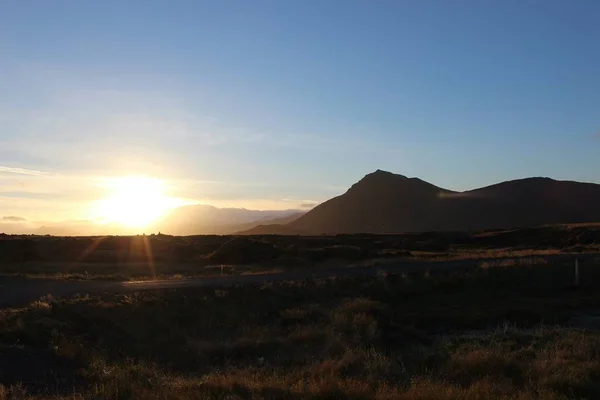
(270, 229)
(383, 202)
(205, 219)
(187, 220)
(255, 225)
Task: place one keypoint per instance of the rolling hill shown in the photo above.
(383, 202)
(206, 220)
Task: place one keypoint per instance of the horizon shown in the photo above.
(118, 113)
(125, 225)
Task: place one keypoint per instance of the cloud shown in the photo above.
(23, 171)
(13, 219)
(308, 205)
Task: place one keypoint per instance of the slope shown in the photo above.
(383, 202)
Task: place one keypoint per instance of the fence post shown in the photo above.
(577, 272)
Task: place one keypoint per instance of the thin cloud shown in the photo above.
(308, 205)
(13, 219)
(23, 171)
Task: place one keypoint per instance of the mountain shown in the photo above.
(187, 220)
(383, 202)
(81, 228)
(205, 219)
(256, 225)
(272, 229)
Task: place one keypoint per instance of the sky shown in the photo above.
(279, 104)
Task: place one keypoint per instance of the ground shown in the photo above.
(497, 332)
(167, 257)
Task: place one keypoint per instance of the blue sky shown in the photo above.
(271, 104)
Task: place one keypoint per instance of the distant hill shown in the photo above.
(256, 225)
(271, 229)
(187, 220)
(205, 219)
(383, 202)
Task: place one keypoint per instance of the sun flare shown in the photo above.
(134, 201)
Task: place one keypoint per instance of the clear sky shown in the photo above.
(273, 104)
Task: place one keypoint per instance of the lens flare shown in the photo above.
(134, 201)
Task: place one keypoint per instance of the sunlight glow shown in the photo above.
(134, 201)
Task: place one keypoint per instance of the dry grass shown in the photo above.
(165, 257)
(486, 334)
(476, 254)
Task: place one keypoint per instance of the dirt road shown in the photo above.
(16, 291)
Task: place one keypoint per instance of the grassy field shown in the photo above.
(133, 271)
(168, 257)
(127, 271)
(493, 333)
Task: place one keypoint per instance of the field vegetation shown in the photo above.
(501, 332)
(165, 257)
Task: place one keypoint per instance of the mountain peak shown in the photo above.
(381, 183)
(382, 173)
(381, 176)
(378, 178)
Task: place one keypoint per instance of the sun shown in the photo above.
(134, 201)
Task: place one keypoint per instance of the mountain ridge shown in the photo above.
(206, 219)
(384, 202)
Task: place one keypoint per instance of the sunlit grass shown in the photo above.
(501, 333)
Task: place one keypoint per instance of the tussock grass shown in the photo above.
(499, 333)
(165, 257)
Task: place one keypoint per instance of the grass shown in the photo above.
(166, 257)
(123, 271)
(131, 271)
(495, 333)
